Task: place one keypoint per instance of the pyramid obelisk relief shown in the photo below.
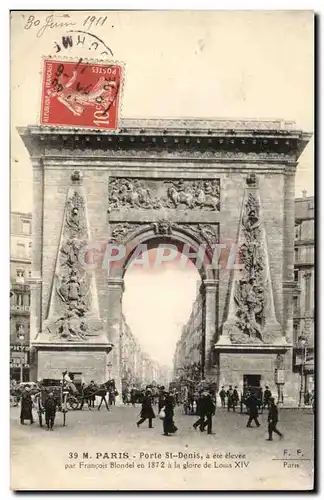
(73, 314)
(251, 313)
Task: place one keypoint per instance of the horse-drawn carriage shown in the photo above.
(60, 394)
(79, 394)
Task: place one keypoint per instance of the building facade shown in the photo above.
(185, 182)
(188, 352)
(304, 298)
(20, 272)
(137, 367)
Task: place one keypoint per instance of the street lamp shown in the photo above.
(109, 365)
(21, 338)
(302, 341)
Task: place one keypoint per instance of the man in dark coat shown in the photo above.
(133, 396)
(236, 397)
(222, 395)
(230, 400)
(168, 423)
(50, 411)
(273, 420)
(266, 397)
(206, 410)
(252, 404)
(147, 410)
(26, 406)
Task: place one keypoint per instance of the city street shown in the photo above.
(243, 459)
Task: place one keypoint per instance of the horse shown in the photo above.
(180, 197)
(97, 390)
(207, 200)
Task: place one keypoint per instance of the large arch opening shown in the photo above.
(158, 285)
(161, 302)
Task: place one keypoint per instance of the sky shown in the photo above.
(157, 318)
(250, 64)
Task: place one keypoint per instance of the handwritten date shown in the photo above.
(57, 22)
(94, 21)
(49, 23)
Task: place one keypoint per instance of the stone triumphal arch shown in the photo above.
(186, 181)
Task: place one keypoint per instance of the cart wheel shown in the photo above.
(73, 403)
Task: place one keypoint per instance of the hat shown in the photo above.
(205, 393)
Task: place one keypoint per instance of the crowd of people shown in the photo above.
(255, 402)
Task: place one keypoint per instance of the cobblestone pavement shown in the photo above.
(55, 460)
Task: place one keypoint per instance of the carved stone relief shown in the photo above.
(204, 233)
(163, 227)
(71, 315)
(150, 194)
(250, 288)
(121, 231)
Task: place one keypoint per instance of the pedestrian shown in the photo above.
(50, 411)
(168, 422)
(222, 395)
(230, 400)
(112, 396)
(266, 397)
(26, 406)
(147, 412)
(161, 401)
(133, 396)
(252, 405)
(273, 420)
(206, 409)
(236, 397)
(200, 412)
(102, 391)
(92, 391)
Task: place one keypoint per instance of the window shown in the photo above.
(296, 332)
(26, 226)
(297, 232)
(18, 327)
(296, 275)
(19, 301)
(20, 273)
(21, 249)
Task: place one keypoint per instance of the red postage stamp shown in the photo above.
(81, 94)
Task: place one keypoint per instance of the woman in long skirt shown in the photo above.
(26, 406)
(168, 422)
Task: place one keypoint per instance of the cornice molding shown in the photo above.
(266, 139)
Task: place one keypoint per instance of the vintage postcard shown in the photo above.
(162, 250)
